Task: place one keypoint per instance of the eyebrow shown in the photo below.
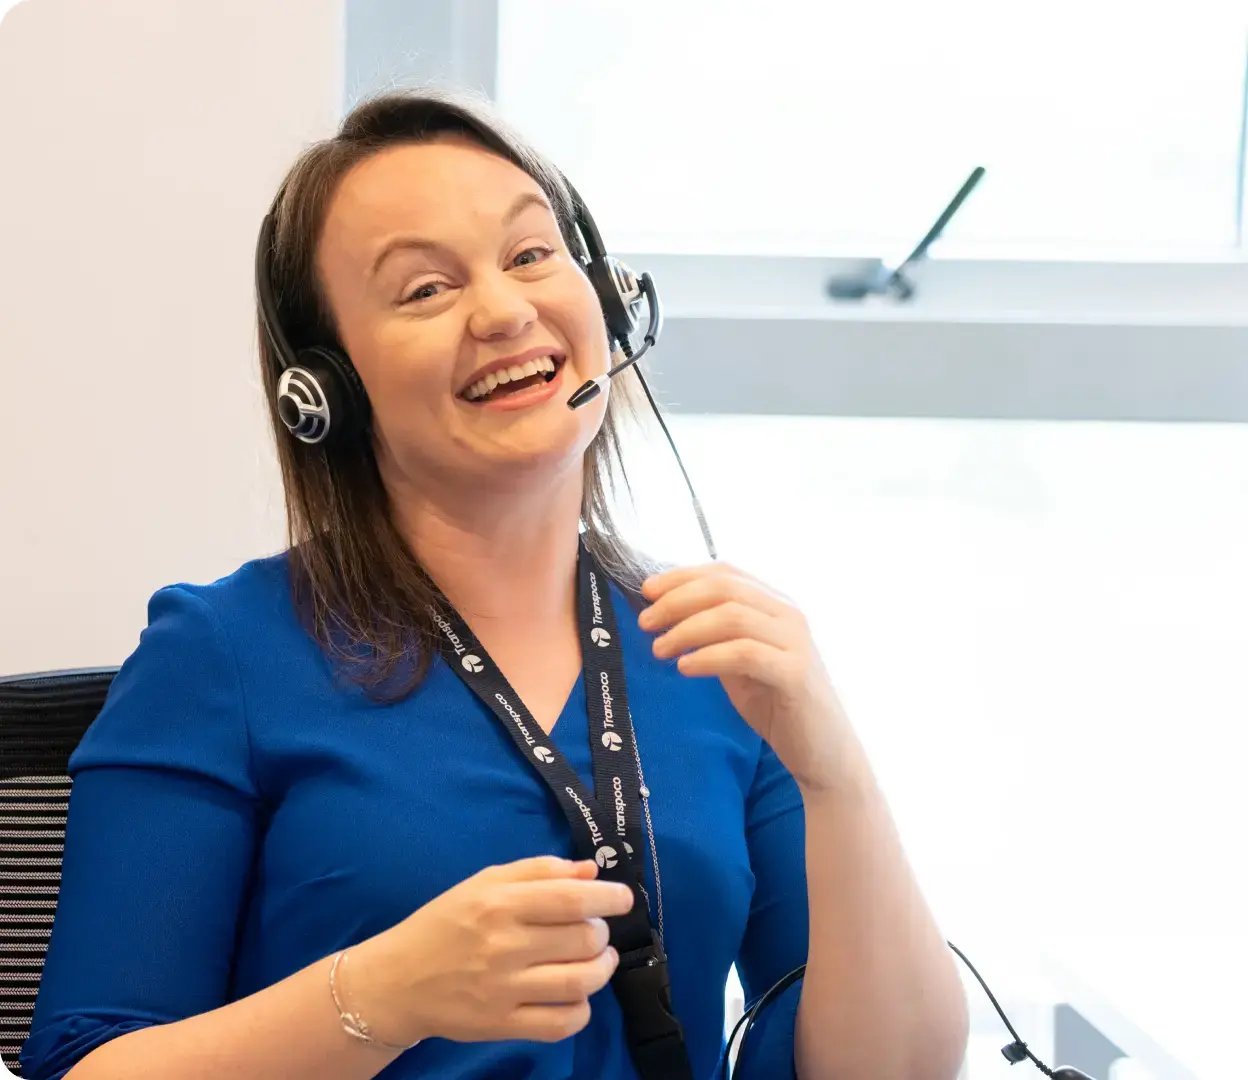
(397, 243)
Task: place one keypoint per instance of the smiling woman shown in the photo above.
(375, 253)
(273, 870)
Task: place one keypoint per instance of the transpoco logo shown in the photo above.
(606, 857)
(448, 630)
(472, 663)
(611, 740)
(608, 718)
(600, 636)
(617, 792)
(543, 755)
(593, 593)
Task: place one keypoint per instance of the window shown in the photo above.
(821, 129)
(745, 154)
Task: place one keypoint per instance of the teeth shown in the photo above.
(511, 374)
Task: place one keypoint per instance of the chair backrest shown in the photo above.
(42, 719)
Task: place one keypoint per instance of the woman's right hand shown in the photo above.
(513, 952)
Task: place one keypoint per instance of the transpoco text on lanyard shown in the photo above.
(611, 838)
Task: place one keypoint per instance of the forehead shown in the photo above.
(430, 188)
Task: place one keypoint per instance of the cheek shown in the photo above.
(403, 373)
(586, 328)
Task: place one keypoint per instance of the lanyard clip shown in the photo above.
(643, 986)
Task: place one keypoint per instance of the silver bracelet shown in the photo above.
(353, 1023)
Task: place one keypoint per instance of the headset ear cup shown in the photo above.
(618, 293)
(321, 398)
(304, 405)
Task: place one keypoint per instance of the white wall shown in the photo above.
(140, 144)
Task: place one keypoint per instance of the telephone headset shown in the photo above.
(321, 400)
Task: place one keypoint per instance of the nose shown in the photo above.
(501, 308)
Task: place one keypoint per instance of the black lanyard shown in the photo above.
(607, 825)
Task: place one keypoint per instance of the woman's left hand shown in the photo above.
(721, 621)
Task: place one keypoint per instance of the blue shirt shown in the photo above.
(238, 813)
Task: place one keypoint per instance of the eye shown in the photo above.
(540, 248)
(419, 293)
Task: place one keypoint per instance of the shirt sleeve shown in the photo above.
(159, 846)
(777, 932)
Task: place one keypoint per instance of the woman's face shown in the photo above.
(439, 259)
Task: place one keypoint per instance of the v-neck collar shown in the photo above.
(573, 711)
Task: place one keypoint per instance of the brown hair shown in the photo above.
(358, 588)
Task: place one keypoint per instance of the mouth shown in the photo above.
(525, 384)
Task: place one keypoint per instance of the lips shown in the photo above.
(519, 359)
(534, 373)
(531, 396)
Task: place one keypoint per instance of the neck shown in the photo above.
(505, 558)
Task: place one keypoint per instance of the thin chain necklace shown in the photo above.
(644, 792)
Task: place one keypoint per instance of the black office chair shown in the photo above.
(42, 719)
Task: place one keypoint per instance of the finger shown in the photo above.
(707, 592)
(563, 944)
(564, 984)
(552, 903)
(658, 584)
(538, 868)
(743, 657)
(548, 1023)
(726, 622)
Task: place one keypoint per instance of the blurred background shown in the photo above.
(1014, 505)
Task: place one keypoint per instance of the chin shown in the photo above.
(558, 448)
